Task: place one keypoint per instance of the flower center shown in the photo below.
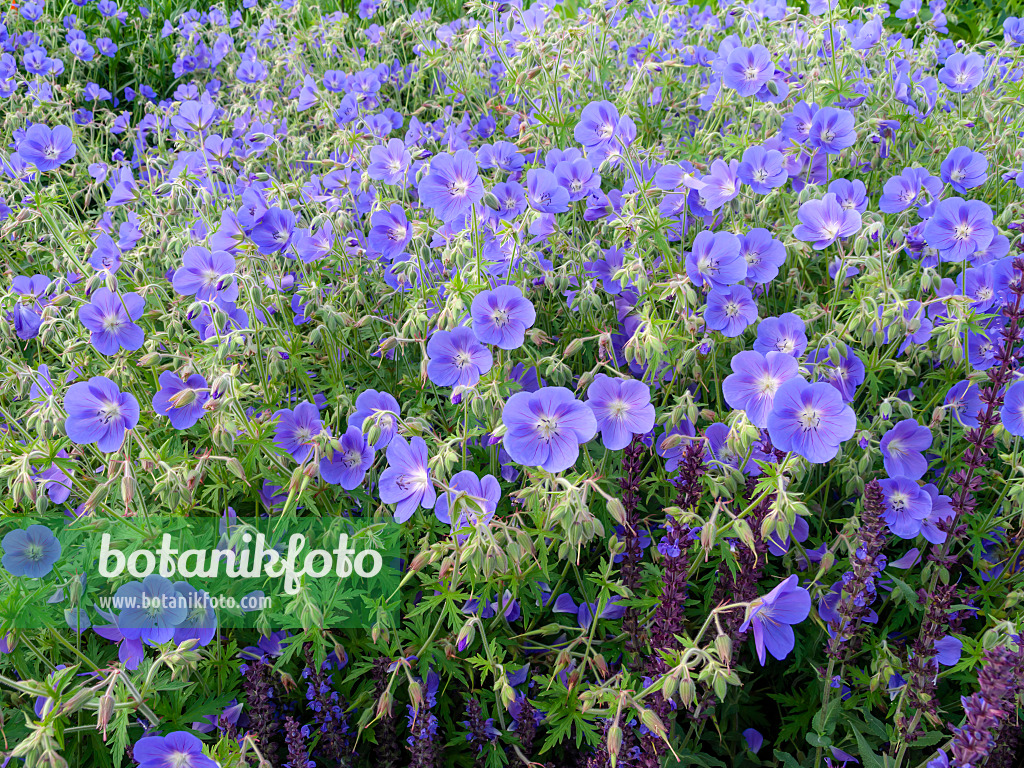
(51, 152)
(109, 412)
(500, 317)
(112, 322)
(462, 359)
(750, 73)
(809, 418)
(958, 175)
(210, 277)
(459, 188)
(768, 385)
(962, 231)
(732, 309)
(785, 345)
(34, 552)
(547, 427)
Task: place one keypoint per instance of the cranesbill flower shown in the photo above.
(389, 163)
(763, 254)
(406, 481)
(274, 231)
(852, 195)
(785, 333)
(811, 420)
(597, 124)
(98, 412)
(47, 148)
(484, 494)
(1012, 413)
(501, 317)
(907, 505)
(747, 70)
(203, 273)
(845, 377)
(175, 750)
(111, 320)
(390, 232)
(962, 73)
(352, 457)
(715, 260)
(622, 408)
(773, 616)
(755, 379)
(181, 400)
(964, 169)
(909, 188)
(383, 409)
(824, 221)
(545, 193)
(457, 358)
(832, 130)
(545, 428)
(942, 510)
(964, 399)
(30, 552)
(959, 228)
(761, 169)
(452, 186)
(296, 429)
(151, 609)
(721, 185)
(903, 447)
(730, 310)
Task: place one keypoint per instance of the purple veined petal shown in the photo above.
(563, 451)
(565, 604)
(777, 639)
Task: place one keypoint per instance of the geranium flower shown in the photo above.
(152, 609)
(715, 260)
(202, 274)
(452, 187)
(390, 232)
(772, 618)
(98, 412)
(457, 358)
(274, 231)
(484, 492)
(785, 333)
(903, 447)
(352, 458)
(748, 69)
(730, 310)
(825, 221)
(959, 228)
(811, 420)
(622, 408)
(111, 320)
(546, 428)
(296, 429)
(384, 410)
(501, 317)
(832, 130)
(755, 380)
(1012, 412)
(763, 255)
(762, 170)
(30, 552)
(962, 73)
(964, 169)
(181, 400)
(175, 750)
(47, 148)
(406, 481)
(545, 193)
(964, 398)
(907, 505)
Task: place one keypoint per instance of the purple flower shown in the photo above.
(56, 481)
(964, 169)
(762, 169)
(721, 185)
(964, 399)
(47, 148)
(907, 189)
(811, 420)
(622, 408)
(406, 481)
(152, 609)
(30, 552)
(501, 317)
(959, 228)
(452, 186)
(545, 428)
(110, 319)
(747, 70)
(763, 254)
(175, 750)
(98, 412)
(180, 400)
(773, 615)
(274, 231)
(962, 73)
(942, 510)
(902, 449)
(545, 193)
(457, 358)
(845, 377)
(389, 163)
(824, 221)
(296, 429)
(1012, 413)
(200, 622)
(715, 260)
(907, 505)
(202, 274)
(755, 380)
(785, 333)
(352, 457)
(754, 739)
(730, 310)
(26, 313)
(485, 494)
(383, 409)
(852, 195)
(832, 130)
(597, 125)
(584, 612)
(390, 232)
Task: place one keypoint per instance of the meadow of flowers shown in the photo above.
(677, 346)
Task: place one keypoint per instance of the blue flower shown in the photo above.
(31, 552)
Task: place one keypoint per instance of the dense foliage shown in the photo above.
(680, 346)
